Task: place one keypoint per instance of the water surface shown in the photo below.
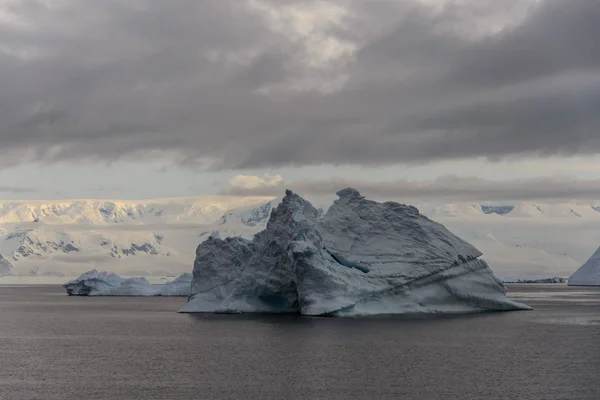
(57, 347)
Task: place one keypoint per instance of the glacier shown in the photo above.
(588, 274)
(94, 283)
(361, 257)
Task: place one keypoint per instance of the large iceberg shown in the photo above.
(588, 274)
(94, 283)
(359, 258)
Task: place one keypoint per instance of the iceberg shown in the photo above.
(179, 286)
(588, 274)
(359, 258)
(94, 283)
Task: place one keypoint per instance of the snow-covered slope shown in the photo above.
(519, 260)
(455, 210)
(361, 257)
(244, 221)
(64, 250)
(566, 210)
(517, 210)
(67, 238)
(589, 273)
(530, 246)
(94, 283)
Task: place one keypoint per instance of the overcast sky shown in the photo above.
(153, 98)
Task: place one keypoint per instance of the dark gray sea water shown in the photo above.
(58, 347)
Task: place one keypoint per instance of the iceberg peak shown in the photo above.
(350, 194)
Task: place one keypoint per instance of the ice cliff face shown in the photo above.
(360, 258)
(177, 287)
(94, 283)
(588, 274)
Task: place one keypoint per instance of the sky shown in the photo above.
(470, 100)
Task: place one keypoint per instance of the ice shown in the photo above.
(177, 287)
(200, 210)
(360, 258)
(588, 274)
(69, 237)
(94, 283)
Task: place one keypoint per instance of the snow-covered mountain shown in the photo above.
(159, 237)
(67, 238)
(244, 221)
(533, 210)
(518, 210)
(533, 239)
(197, 210)
(452, 210)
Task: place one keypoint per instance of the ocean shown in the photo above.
(57, 347)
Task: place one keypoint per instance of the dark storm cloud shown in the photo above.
(447, 188)
(228, 81)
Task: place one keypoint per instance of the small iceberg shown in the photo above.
(94, 283)
(588, 274)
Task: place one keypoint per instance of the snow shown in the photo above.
(529, 246)
(245, 221)
(589, 273)
(453, 210)
(94, 283)
(525, 210)
(71, 250)
(522, 261)
(360, 258)
(198, 210)
(67, 238)
(559, 210)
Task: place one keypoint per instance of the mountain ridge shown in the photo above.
(130, 239)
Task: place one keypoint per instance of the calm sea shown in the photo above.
(58, 347)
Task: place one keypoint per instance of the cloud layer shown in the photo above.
(261, 83)
(17, 189)
(444, 189)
